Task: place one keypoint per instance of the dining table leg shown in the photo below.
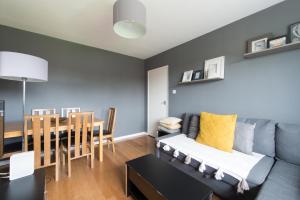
(101, 142)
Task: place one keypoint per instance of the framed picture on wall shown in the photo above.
(187, 76)
(277, 42)
(294, 32)
(214, 68)
(258, 43)
(198, 74)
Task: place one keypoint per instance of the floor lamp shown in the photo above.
(22, 67)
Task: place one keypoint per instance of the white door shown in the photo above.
(158, 88)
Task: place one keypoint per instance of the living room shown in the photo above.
(150, 92)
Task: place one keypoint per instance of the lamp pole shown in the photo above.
(23, 110)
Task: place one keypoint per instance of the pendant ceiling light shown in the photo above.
(129, 18)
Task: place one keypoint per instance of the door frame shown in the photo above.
(167, 92)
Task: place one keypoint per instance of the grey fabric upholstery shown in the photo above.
(194, 126)
(264, 135)
(261, 170)
(185, 123)
(244, 137)
(282, 183)
(288, 143)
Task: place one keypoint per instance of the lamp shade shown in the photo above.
(17, 66)
(129, 18)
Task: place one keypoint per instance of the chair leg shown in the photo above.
(57, 170)
(113, 145)
(108, 143)
(92, 157)
(63, 159)
(69, 165)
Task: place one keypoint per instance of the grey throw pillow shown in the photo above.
(244, 137)
(193, 126)
(185, 123)
(264, 135)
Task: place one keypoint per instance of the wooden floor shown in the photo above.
(105, 181)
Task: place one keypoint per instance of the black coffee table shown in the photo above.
(148, 177)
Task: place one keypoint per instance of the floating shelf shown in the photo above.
(201, 81)
(287, 47)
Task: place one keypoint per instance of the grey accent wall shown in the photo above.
(265, 87)
(82, 76)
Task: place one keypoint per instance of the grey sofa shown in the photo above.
(283, 181)
(276, 176)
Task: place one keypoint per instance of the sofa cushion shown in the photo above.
(193, 126)
(264, 135)
(288, 143)
(217, 131)
(170, 120)
(282, 183)
(260, 171)
(185, 123)
(243, 137)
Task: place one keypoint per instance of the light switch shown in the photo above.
(173, 91)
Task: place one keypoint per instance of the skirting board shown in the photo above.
(126, 137)
(131, 136)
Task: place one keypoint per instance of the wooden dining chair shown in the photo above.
(79, 141)
(108, 133)
(65, 111)
(45, 147)
(47, 111)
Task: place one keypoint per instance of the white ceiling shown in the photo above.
(89, 22)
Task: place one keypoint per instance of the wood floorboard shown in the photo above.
(105, 180)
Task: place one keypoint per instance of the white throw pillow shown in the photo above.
(170, 120)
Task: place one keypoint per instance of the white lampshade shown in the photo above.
(17, 66)
(129, 18)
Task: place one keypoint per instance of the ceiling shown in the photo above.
(89, 22)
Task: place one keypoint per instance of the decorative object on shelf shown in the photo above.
(286, 47)
(294, 32)
(214, 68)
(277, 42)
(187, 76)
(258, 43)
(129, 18)
(198, 75)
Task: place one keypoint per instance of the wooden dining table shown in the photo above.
(15, 129)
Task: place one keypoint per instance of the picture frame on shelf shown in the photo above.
(198, 75)
(187, 76)
(277, 42)
(214, 68)
(294, 32)
(258, 43)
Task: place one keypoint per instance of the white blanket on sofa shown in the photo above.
(235, 164)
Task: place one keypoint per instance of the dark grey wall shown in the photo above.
(86, 77)
(265, 87)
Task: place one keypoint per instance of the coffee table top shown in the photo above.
(169, 181)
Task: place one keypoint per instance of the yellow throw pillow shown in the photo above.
(217, 131)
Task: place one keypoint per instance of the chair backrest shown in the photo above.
(65, 111)
(41, 127)
(81, 127)
(47, 111)
(111, 120)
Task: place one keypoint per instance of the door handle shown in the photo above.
(164, 102)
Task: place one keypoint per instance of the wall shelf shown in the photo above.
(200, 81)
(287, 47)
